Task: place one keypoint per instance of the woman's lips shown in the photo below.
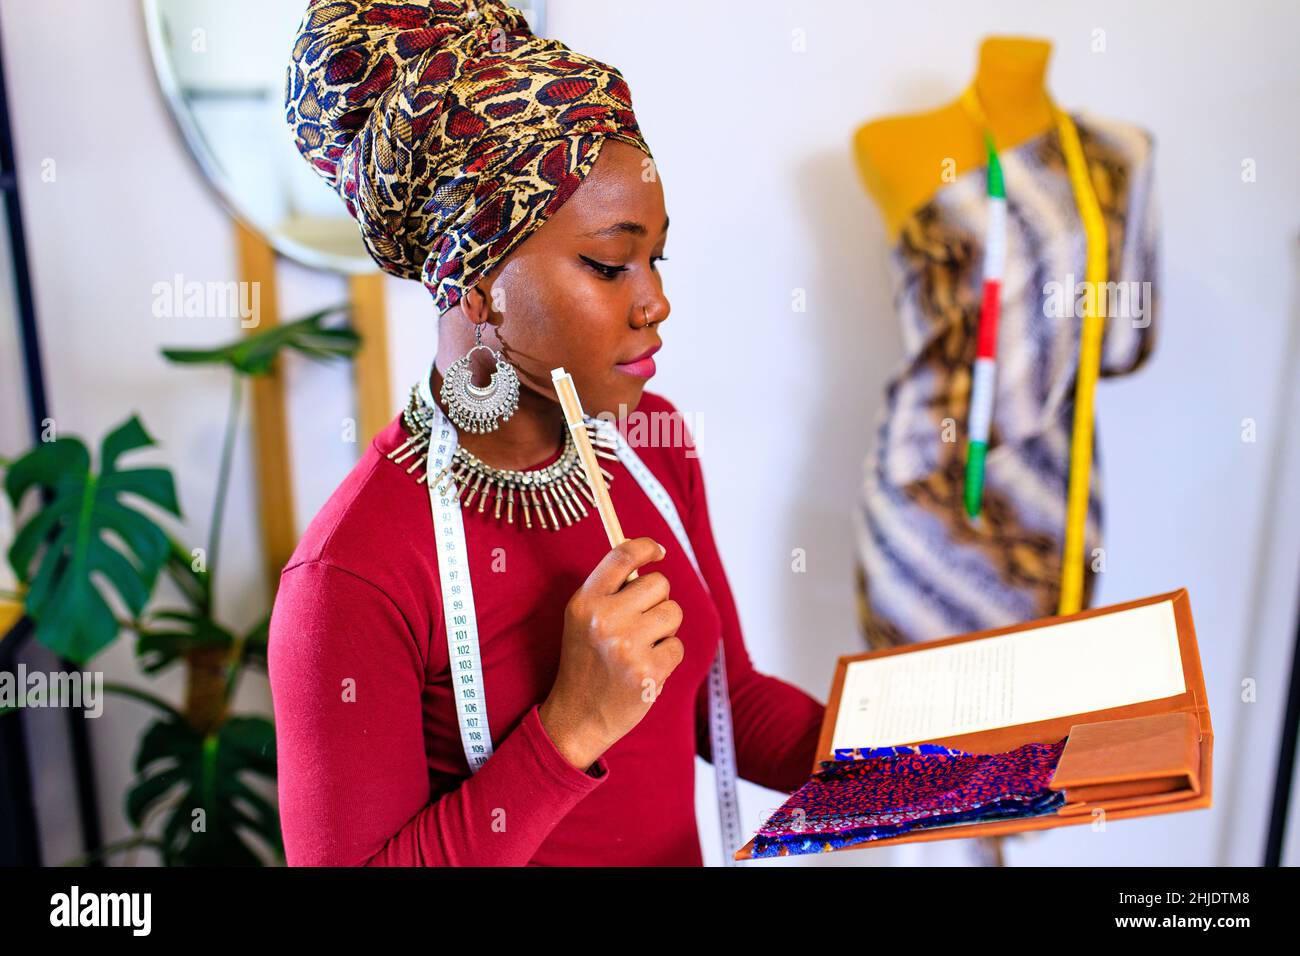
(643, 366)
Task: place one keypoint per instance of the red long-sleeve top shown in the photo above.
(371, 766)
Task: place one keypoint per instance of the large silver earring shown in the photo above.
(475, 408)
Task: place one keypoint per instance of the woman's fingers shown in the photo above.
(669, 653)
(647, 591)
(662, 620)
(612, 571)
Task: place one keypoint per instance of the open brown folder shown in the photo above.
(1148, 749)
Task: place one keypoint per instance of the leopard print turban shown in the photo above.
(449, 129)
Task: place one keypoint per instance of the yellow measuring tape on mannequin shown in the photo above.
(1094, 228)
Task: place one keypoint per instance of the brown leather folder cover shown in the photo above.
(1135, 788)
(1138, 757)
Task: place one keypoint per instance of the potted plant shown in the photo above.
(89, 541)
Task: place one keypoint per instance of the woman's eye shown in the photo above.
(603, 270)
(657, 259)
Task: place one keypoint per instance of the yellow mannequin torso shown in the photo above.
(905, 160)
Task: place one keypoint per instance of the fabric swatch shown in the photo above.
(868, 798)
(857, 753)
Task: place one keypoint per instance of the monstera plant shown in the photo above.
(57, 551)
(90, 542)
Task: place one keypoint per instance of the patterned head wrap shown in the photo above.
(449, 129)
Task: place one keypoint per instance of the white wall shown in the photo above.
(753, 142)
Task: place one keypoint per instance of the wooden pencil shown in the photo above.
(568, 396)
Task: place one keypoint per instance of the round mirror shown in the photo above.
(221, 65)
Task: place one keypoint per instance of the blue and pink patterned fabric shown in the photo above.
(889, 791)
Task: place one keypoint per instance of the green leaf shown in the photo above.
(128, 436)
(158, 649)
(152, 484)
(45, 465)
(135, 529)
(195, 585)
(143, 696)
(124, 575)
(33, 534)
(181, 770)
(256, 354)
(68, 553)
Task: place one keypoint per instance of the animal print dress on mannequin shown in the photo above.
(924, 570)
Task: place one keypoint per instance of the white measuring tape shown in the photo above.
(721, 735)
(462, 624)
(457, 592)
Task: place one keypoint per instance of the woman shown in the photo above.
(508, 173)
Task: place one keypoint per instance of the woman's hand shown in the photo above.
(619, 647)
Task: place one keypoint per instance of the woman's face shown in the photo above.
(584, 290)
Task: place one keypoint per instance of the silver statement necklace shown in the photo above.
(556, 492)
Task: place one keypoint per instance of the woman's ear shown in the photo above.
(486, 300)
(476, 304)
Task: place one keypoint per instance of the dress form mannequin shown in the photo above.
(904, 160)
(926, 571)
